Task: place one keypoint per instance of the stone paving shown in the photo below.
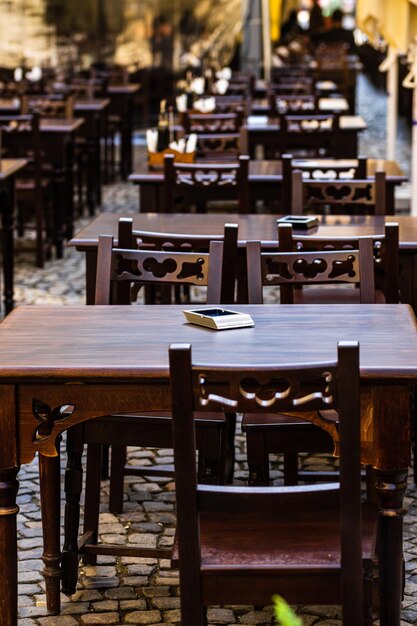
(144, 591)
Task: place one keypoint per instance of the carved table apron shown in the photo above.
(71, 364)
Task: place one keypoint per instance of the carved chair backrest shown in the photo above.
(309, 134)
(385, 248)
(232, 104)
(308, 124)
(128, 237)
(238, 88)
(213, 122)
(329, 266)
(323, 169)
(222, 146)
(266, 389)
(49, 105)
(21, 139)
(290, 79)
(244, 78)
(215, 181)
(85, 87)
(290, 104)
(333, 64)
(117, 266)
(368, 195)
(291, 89)
(291, 70)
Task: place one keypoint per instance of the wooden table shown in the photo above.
(8, 170)
(58, 142)
(323, 86)
(110, 359)
(122, 99)
(94, 114)
(258, 227)
(265, 179)
(264, 131)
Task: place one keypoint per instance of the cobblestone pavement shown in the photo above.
(143, 591)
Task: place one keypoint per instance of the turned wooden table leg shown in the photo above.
(390, 488)
(7, 225)
(8, 546)
(50, 489)
(73, 486)
(392, 438)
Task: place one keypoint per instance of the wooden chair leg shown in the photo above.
(50, 490)
(192, 613)
(73, 487)
(258, 461)
(92, 498)
(209, 456)
(117, 473)
(21, 219)
(290, 468)
(80, 183)
(40, 245)
(230, 447)
(104, 463)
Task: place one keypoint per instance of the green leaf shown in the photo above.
(284, 614)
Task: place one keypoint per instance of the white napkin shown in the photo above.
(181, 103)
(225, 73)
(197, 85)
(152, 140)
(221, 86)
(205, 105)
(34, 74)
(191, 143)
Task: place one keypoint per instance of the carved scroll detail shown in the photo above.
(48, 418)
(267, 393)
(340, 192)
(204, 178)
(299, 269)
(140, 265)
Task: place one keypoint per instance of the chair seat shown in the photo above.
(29, 184)
(332, 295)
(205, 418)
(270, 421)
(313, 539)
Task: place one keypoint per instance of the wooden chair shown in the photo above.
(324, 169)
(302, 71)
(233, 103)
(217, 123)
(386, 264)
(239, 88)
(239, 79)
(61, 105)
(292, 89)
(366, 196)
(240, 544)
(198, 183)
(333, 64)
(118, 267)
(309, 134)
(325, 262)
(48, 105)
(299, 268)
(21, 139)
(222, 147)
(289, 104)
